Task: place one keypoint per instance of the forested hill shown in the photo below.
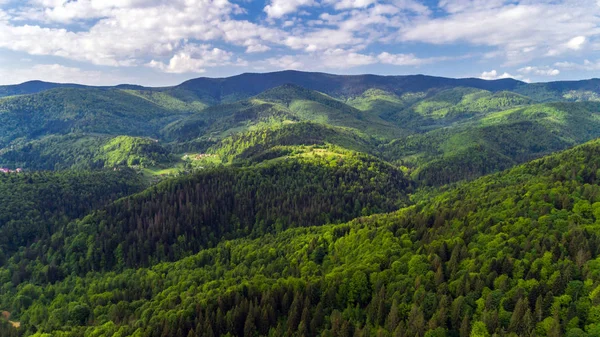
(32, 87)
(237, 87)
(461, 127)
(300, 204)
(514, 253)
(220, 90)
(34, 206)
(181, 216)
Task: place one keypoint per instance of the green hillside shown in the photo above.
(512, 253)
(132, 151)
(496, 141)
(254, 143)
(295, 204)
(586, 90)
(222, 120)
(60, 111)
(315, 107)
(283, 104)
(85, 151)
(168, 101)
(467, 124)
(465, 102)
(34, 205)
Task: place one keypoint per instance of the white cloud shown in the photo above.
(576, 43)
(520, 32)
(285, 62)
(413, 60)
(323, 39)
(156, 32)
(494, 75)
(194, 59)
(587, 65)
(60, 74)
(328, 59)
(347, 33)
(257, 48)
(341, 59)
(124, 35)
(279, 8)
(346, 4)
(456, 6)
(540, 71)
(402, 59)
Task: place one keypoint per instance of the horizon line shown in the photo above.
(289, 70)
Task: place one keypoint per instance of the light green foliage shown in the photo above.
(479, 330)
(167, 101)
(496, 141)
(60, 111)
(86, 151)
(255, 144)
(467, 101)
(133, 151)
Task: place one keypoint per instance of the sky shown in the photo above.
(164, 42)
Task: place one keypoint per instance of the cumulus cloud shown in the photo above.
(346, 4)
(340, 59)
(540, 71)
(279, 8)
(587, 65)
(284, 62)
(194, 59)
(328, 59)
(338, 33)
(130, 32)
(257, 48)
(576, 43)
(520, 32)
(136, 32)
(495, 75)
(403, 59)
(127, 33)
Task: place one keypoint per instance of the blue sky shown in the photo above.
(164, 42)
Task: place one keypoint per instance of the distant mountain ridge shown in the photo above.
(425, 124)
(337, 85)
(213, 91)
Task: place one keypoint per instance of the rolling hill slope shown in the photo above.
(60, 111)
(267, 142)
(183, 215)
(445, 129)
(310, 205)
(496, 141)
(512, 253)
(83, 151)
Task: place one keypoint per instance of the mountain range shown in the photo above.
(301, 204)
